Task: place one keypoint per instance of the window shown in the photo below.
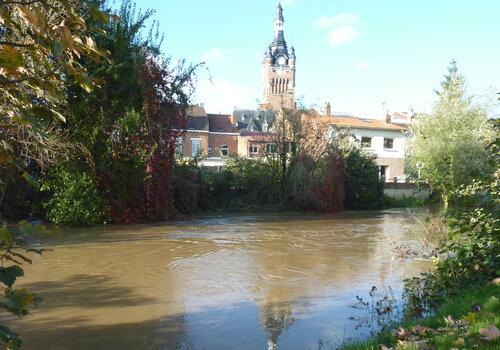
(270, 148)
(252, 150)
(179, 146)
(224, 150)
(384, 171)
(195, 147)
(366, 142)
(389, 143)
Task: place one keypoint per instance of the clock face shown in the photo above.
(282, 61)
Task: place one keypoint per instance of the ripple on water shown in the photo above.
(225, 282)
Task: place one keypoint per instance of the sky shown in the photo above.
(363, 56)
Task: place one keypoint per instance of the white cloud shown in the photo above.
(342, 19)
(222, 95)
(363, 65)
(343, 34)
(214, 55)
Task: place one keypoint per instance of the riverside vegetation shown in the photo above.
(455, 306)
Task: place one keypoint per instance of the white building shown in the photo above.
(385, 138)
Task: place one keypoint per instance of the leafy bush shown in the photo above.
(243, 184)
(363, 186)
(251, 182)
(469, 254)
(75, 199)
(317, 185)
(186, 184)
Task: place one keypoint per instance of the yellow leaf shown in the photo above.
(90, 43)
(470, 318)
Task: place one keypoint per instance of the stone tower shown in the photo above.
(279, 70)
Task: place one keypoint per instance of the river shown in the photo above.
(250, 281)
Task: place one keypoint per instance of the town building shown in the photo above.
(249, 132)
(384, 138)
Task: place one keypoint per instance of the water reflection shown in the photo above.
(245, 282)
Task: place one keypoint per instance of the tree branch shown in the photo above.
(18, 81)
(15, 44)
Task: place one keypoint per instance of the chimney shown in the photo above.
(327, 110)
(388, 117)
(233, 118)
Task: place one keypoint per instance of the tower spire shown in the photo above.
(279, 12)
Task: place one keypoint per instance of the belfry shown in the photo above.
(279, 70)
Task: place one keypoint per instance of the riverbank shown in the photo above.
(464, 321)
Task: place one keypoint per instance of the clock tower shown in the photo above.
(279, 70)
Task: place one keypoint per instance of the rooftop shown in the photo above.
(345, 121)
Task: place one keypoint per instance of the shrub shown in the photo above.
(469, 253)
(186, 178)
(317, 185)
(251, 183)
(75, 199)
(363, 186)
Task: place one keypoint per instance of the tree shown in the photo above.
(40, 41)
(451, 144)
(129, 126)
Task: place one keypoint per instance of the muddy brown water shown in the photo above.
(252, 281)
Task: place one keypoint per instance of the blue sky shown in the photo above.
(357, 54)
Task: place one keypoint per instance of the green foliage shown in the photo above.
(243, 184)
(129, 125)
(187, 186)
(442, 336)
(469, 253)
(8, 275)
(15, 301)
(251, 182)
(363, 186)
(451, 144)
(74, 198)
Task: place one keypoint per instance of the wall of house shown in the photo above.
(243, 146)
(393, 159)
(398, 150)
(191, 134)
(396, 167)
(215, 140)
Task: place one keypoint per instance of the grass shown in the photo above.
(445, 337)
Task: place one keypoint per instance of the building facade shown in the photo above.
(279, 70)
(386, 140)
